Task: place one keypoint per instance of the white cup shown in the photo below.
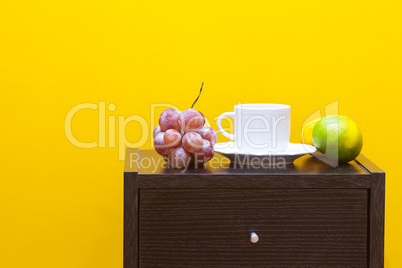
(259, 127)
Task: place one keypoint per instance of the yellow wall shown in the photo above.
(62, 206)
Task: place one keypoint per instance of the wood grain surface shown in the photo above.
(308, 214)
(211, 227)
(130, 243)
(377, 215)
(152, 163)
(246, 180)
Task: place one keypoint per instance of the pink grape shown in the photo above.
(160, 145)
(157, 130)
(191, 120)
(178, 157)
(208, 133)
(192, 142)
(169, 119)
(172, 137)
(205, 154)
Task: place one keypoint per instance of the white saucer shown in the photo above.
(294, 151)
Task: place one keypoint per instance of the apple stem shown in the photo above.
(198, 95)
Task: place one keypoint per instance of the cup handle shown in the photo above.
(228, 135)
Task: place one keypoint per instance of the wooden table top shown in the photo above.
(149, 162)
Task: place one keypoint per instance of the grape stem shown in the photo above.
(198, 95)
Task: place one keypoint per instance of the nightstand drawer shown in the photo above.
(212, 227)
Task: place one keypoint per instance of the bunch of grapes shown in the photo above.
(182, 138)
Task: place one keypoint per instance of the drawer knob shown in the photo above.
(254, 238)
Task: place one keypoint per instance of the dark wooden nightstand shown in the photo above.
(309, 214)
